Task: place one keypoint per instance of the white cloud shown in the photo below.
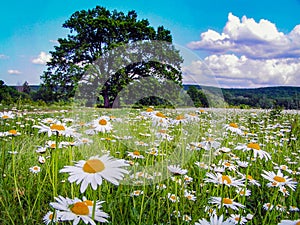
(13, 72)
(42, 59)
(250, 38)
(233, 71)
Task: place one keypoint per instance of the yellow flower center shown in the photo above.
(283, 167)
(58, 127)
(5, 117)
(88, 202)
(53, 146)
(102, 122)
(179, 117)
(93, 166)
(227, 164)
(226, 179)
(242, 192)
(159, 114)
(149, 110)
(202, 110)
(227, 201)
(173, 197)
(279, 179)
(189, 197)
(298, 223)
(253, 146)
(50, 216)
(137, 153)
(234, 125)
(249, 177)
(13, 132)
(80, 208)
(35, 168)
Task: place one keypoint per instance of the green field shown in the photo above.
(149, 166)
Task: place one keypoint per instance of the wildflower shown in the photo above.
(176, 170)
(135, 155)
(102, 124)
(76, 210)
(94, 170)
(257, 151)
(12, 133)
(243, 192)
(234, 128)
(7, 115)
(186, 218)
(294, 208)
(268, 206)
(35, 169)
(219, 178)
(209, 144)
(238, 219)
(41, 150)
(136, 193)
(226, 202)
(42, 159)
(190, 196)
(50, 217)
(159, 119)
(214, 220)
(289, 222)
(277, 180)
(161, 186)
(173, 198)
(56, 128)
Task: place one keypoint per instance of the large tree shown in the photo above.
(90, 48)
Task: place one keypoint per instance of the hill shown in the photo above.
(267, 97)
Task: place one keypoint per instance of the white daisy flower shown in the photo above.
(219, 178)
(76, 210)
(234, 128)
(277, 180)
(238, 219)
(214, 220)
(173, 198)
(7, 115)
(94, 170)
(50, 217)
(35, 169)
(226, 202)
(177, 170)
(289, 222)
(102, 124)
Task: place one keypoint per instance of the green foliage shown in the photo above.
(197, 96)
(93, 34)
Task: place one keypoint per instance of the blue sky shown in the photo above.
(242, 43)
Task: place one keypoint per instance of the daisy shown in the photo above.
(173, 198)
(234, 128)
(135, 155)
(76, 210)
(268, 206)
(289, 222)
(50, 217)
(102, 124)
(189, 196)
(219, 178)
(214, 220)
(159, 119)
(136, 193)
(278, 180)
(238, 219)
(12, 133)
(41, 159)
(257, 151)
(186, 218)
(35, 169)
(177, 170)
(94, 170)
(226, 202)
(7, 115)
(243, 192)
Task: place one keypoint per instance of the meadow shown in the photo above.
(149, 166)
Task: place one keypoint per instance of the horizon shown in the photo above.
(238, 44)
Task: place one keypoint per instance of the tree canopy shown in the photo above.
(94, 36)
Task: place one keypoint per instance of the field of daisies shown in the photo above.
(149, 166)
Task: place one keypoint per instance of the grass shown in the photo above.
(25, 196)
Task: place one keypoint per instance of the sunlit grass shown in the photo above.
(151, 193)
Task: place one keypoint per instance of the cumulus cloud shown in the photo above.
(14, 72)
(42, 59)
(245, 36)
(233, 71)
